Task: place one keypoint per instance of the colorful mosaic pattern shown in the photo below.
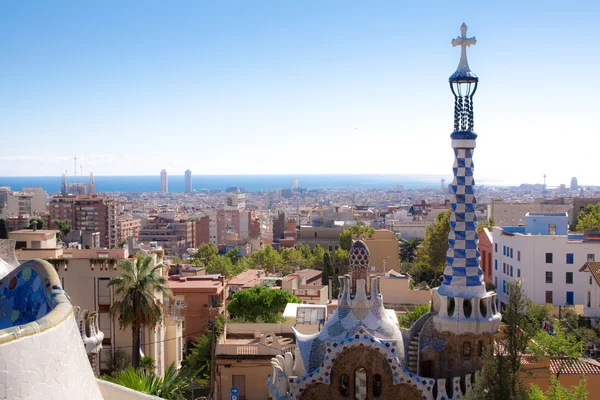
(22, 298)
(359, 262)
(463, 256)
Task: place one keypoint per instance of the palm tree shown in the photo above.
(136, 303)
(408, 249)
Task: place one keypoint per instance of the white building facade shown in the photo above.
(545, 258)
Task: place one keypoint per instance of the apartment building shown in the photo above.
(88, 213)
(127, 226)
(545, 257)
(173, 233)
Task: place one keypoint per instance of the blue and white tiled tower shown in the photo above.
(463, 277)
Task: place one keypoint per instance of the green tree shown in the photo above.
(434, 246)
(557, 392)
(63, 226)
(233, 255)
(3, 229)
(220, 265)
(40, 223)
(291, 257)
(589, 218)
(354, 231)
(269, 260)
(199, 354)
(136, 304)
(260, 304)
(173, 386)
(317, 258)
(486, 224)
(559, 344)
(327, 269)
(147, 364)
(407, 319)
(206, 252)
(341, 260)
(408, 249)
(499, 377)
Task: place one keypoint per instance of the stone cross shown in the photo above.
(463, 41)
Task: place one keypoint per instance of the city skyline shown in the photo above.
(307, 81)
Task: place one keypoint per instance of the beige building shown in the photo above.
(326, 237)
(306, 284)
(86, 284)
(513, 214)
(397, 293)
(40, 243)
(127, 226)
(30, 201)
(383, 247)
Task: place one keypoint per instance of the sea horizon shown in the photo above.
(254, 182)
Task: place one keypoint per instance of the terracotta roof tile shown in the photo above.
(574, 366)
(594, 268)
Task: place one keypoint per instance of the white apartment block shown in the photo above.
(545, 258)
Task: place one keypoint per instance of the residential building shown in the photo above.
(245, 280)
(175, 234)
(306, 284)
(127, 226)
(326, 237)
(38, 243)
(188, 181)
(164, 181)
(592, 291)
(200, 298)
(397, 292)
(86, 283)
(545, 258)
(89, 214)
(30, 202)
(485, 246)
(202, 228)
(513, 214)
(383, 247)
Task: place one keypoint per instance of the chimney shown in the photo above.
(35, 226)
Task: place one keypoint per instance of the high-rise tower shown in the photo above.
(464, 304)
(164, 181)
(63, 186)
(188, 181)
(92, 184)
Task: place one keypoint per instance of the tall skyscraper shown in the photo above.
(164, 181)
(574, 184)
(92, 184)
(188, 181)
(63, 186)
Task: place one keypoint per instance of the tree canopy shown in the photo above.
(63, 226)
(354, 232)
(408, 249)
(260, 304)
(589, 218)
(40, 223)
(205, 253)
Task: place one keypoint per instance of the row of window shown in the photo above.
(568, 277)
(569, 297)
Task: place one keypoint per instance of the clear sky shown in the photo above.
(229, 87)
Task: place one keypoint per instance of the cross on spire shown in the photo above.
(463, 41)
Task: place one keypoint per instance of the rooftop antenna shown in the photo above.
(75, 158)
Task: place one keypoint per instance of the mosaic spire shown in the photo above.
(463, 276)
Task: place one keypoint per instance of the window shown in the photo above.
(496, 281)
(504, 250)
(360, 384)
(570, 298)
(503, 286)
(511, 252)
(345, 385)
(551, 229)
(496, 264)
(518, 255)
(569, 258)
(503, 268)
(511, 270)
(590, 281)
(569, 278)
(589, 302)
(590, 257)
(496, 247)
(548, 258)
(376, 385)
(479, 349)
(549, 296)
(467, 350)
(518, 272)
(548, 276)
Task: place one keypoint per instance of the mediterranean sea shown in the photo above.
(148, 183)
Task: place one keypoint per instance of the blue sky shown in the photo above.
(307, 87)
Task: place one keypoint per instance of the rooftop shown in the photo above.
(308, 274)
(248, 278)
(203, 283)
(547, 214)
(574, 366)
(594, 268)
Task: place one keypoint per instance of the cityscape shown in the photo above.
(185, 269)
